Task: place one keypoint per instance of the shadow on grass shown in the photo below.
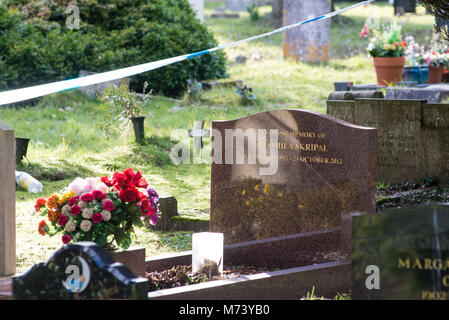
(55, 170)
(153, 151)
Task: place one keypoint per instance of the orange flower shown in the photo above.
(43, 227)
(403, 44)
(53, 214)
(41, 202)
(53, 201)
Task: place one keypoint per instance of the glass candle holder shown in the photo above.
(207, 253)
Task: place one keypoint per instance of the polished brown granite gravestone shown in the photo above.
(325, 167)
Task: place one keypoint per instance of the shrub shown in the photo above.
(36, 47)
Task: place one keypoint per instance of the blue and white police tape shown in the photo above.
(18, 95)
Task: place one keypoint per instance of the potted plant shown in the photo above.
(415, 70)
(388, 51)
(437, 62)
(101, 210)
(120, 104)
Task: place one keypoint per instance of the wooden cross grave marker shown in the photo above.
(198, 133)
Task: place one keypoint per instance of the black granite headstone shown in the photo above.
(403, 6)
(81, 271)
(402, 254)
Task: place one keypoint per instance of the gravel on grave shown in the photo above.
(182, 275)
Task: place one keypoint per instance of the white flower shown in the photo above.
(87, 213)
(80, 185)
(76, 185)
(82, 204)
(86, 225)
(70, 226)
(66, 210)
(106, 215)
(102, 187)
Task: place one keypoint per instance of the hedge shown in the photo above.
(36, 47)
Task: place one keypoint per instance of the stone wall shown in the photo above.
(413, 136)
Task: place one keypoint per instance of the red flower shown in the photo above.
(146, 208)
(125, 180)
(42, 227)
(97, 217)
(129, 194)
(87, 197)
(75, 210)
(73, 200)
(107, 182)
(120, 180)
(66, 238)
(141, 183)
(41, 202)
(98, 195)
(62, 220)
(108, 205)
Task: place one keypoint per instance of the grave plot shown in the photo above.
(280, 183)
(288, 217)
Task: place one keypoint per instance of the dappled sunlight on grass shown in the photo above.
(66, 142)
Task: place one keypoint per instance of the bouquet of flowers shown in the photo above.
(386, 42)
(435, 59)
(101, 210)
(413, 52)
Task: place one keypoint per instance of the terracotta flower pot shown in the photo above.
(435, 74)
(388, 70)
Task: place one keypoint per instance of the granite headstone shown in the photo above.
(310, 42)
(324, 166)
(402, 254)
(96, 89)
(198, 8)
(239, 5)
(81, 271)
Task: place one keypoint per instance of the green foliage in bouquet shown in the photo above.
(387, 42)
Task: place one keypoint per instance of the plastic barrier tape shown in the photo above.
(18, 95)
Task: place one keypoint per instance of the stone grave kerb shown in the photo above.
(7, 201)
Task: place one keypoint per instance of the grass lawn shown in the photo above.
(65, 142)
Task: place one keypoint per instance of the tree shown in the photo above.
(440, 9)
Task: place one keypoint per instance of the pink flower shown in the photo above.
(108, 205)
(97, 217)
(62, 220)
(365, 31)
(75, 210)
(87, 197)
(66, 238)
(98, 195)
